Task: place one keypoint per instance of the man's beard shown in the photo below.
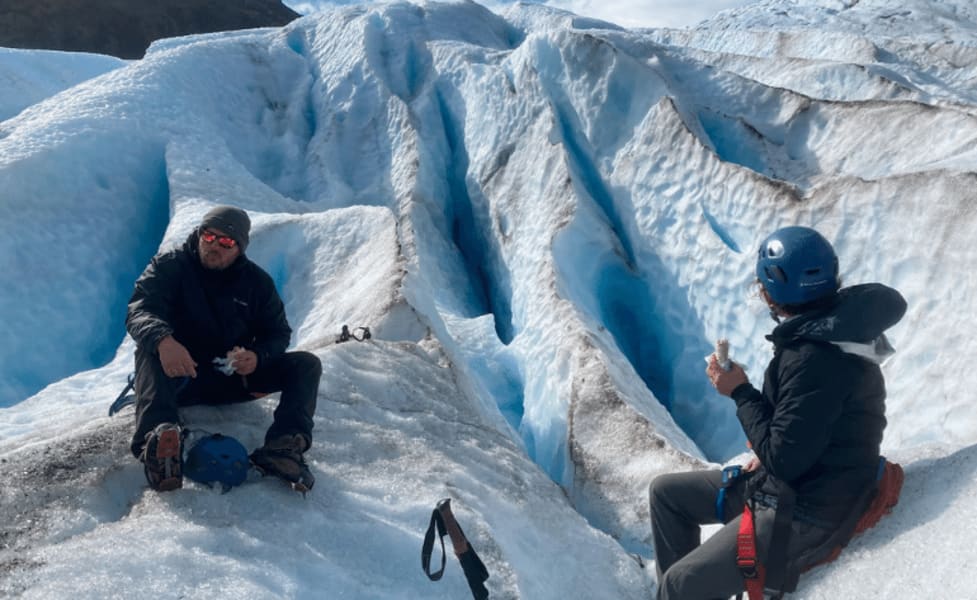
(213, 261)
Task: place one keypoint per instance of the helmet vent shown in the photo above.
(775, 249)
(776, 273)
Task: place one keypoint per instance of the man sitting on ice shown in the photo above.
(210, 328)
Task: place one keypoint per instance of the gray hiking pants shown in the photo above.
(690, 570)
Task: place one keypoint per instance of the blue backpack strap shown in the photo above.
(730, 475)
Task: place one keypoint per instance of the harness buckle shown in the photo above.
(731, 474)
(748, 568)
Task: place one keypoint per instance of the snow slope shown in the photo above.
(545, 221)
(29, 76)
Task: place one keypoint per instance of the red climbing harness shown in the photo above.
(746, 556)
(876, 503)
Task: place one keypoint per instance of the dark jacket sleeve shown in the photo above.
(152, 303)
(791, 432)
(272, 332)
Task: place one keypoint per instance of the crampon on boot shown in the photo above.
(282, 457)
(162, 457)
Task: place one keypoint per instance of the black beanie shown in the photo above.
(232, 221)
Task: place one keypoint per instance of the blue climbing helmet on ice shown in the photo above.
(796, 265)
(217, 459)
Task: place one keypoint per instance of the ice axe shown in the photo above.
(443, 521)
(125, 398)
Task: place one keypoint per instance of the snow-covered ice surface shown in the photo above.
(29, 76)
(545, 221)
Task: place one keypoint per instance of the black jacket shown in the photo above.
(207, 311)
(817, 425)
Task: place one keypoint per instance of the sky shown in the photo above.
(545, 223)
(626, 13)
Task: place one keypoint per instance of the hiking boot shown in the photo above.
(282, 457)
(162, 457)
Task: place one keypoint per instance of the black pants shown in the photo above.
(690, 570)
(294, 374)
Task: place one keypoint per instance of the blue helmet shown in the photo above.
(219, 459)
(796, 265)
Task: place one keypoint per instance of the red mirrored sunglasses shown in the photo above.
(209, 237)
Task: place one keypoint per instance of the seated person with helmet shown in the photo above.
(815, 428)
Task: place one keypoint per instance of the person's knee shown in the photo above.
(307, 363)
(663, 487)
(147, 364)
(672, 583)
(689, 579)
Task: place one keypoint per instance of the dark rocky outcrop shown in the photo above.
(125, 28)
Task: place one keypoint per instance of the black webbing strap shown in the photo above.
(777, 577)
(436, 523)
(444, 523)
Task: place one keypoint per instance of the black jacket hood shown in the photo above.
(855, 321)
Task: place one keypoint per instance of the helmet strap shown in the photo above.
(771, 305)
